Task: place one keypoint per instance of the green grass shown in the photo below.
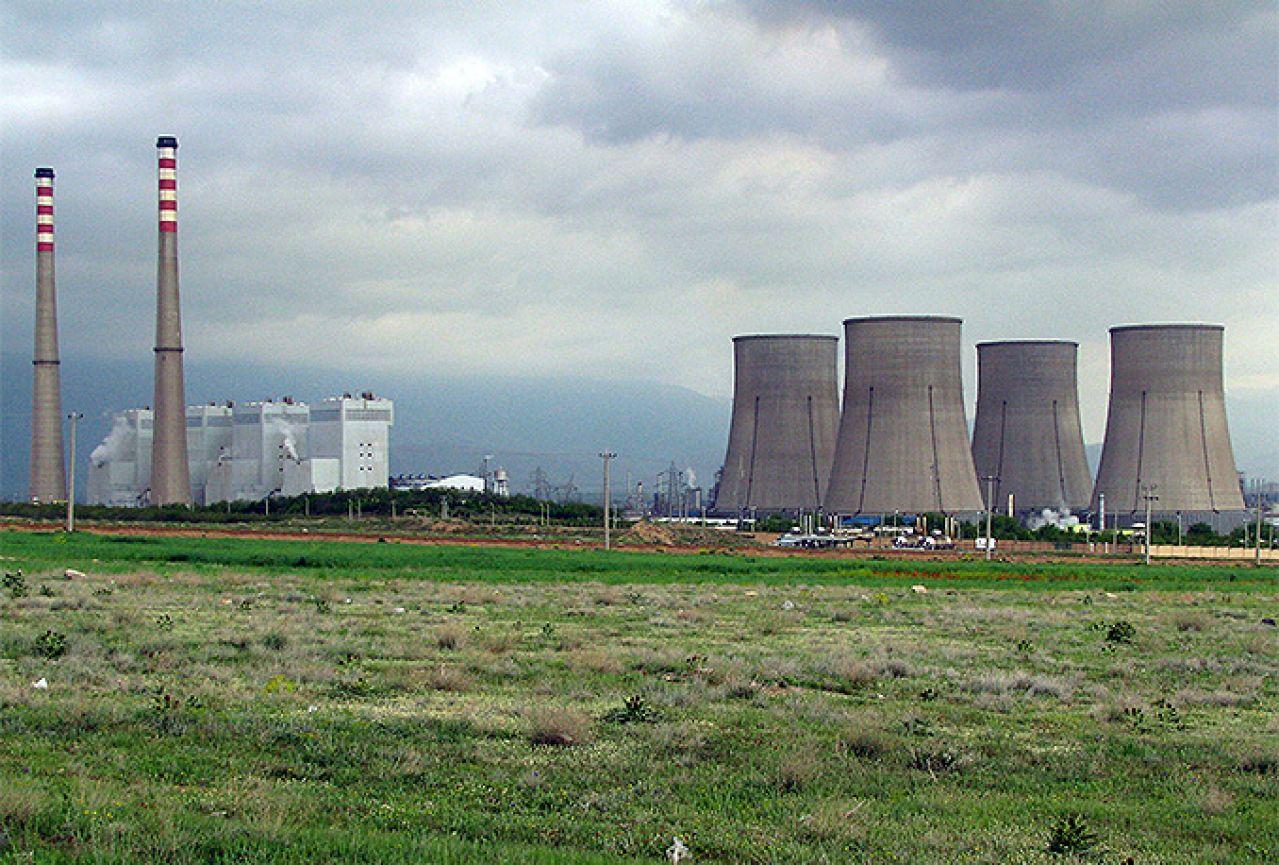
(117, 553)
(227, 700)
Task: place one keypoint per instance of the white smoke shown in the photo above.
(1062, 519)
(115, 445)
(288, 438)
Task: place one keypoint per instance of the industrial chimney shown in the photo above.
(903, 438)
(47, 479)
(785, 416)
(1027, 435)
(1166, 431)
(170, 474)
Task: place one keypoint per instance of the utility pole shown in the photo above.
(1101, 503)
(990, 506)
(1149, 497)
(608, 539)
(75, 416)
(1258, 502)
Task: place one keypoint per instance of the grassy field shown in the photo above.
(248, 700)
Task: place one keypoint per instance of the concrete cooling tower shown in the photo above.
(47, 479)
(170, 474)
(1166, 426)
(903, 438)
(785, 416)
(1027, 434)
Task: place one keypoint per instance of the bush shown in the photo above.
(634, 710)
(1121, 631)
(16, 584)
(1070, 836)
(559, 727)
(51, 644)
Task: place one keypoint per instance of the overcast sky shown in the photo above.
(616, 188)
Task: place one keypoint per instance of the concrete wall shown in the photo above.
(785, 418)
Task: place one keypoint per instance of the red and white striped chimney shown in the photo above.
(170, 473)
(167, 150)
(47, 479)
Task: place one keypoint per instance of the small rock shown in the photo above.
(1268, 621)
(41, 684)
(400, 610)
(919, 590)
(752, 594)
(788, 605)
(312, 708)
(73, 574)
(1110, 595)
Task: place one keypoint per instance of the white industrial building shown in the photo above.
(253, 450)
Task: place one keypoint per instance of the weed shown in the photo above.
(164, 622)
(15, 584)
(45, 591)
(1121, 631)
(274, 641)
(1070, 836)
(51, 644)
(634, 710)
(445, 678)
(934, 761)
(322, 605)
(1261, 763)
(865, 744)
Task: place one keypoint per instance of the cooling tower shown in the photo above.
(1166, 425)
(785, 415)
(170, 474)
(1027, 434)
(47, 479)
(903, 438)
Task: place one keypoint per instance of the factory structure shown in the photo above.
(1167, 439)
(785, 416)
(897, 444)
(251, 451)
(903, 445)
(1028, 440)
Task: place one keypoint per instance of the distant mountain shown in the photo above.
(443, 424)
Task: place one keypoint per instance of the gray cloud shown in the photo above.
(620, 187)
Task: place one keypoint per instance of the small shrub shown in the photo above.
(1121, 631)
(164, 622)
(1191, 621)
(15, 584)
(1070, 836)
(322, 605)
(449, 637)
(797, 771)
(445, 678)
(51, 644)
(559, 727)
(45, 591)
(935, 762)
(274, 641)
(1261, 763)
(865, 744)
(634, 710)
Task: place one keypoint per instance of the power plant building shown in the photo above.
(251, 451)
(785, 418)
(1166, 429)
(1027, 438)
(903, 436)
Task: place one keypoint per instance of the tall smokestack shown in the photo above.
(48, 479)
(170, 474)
